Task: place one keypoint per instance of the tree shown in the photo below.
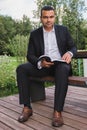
(73, 19)
(24, 26)
(9, 28)
(18, 46)
(7, 31)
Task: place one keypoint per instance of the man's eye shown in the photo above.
(47, 17)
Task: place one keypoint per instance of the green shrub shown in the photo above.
(77, 67)
(8, 77)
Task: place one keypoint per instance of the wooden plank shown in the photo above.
(81, 54)
(77, 81)
(32, 122)
(72, 80)
(75, 111)
(4, 127)
(39, 120)
(12, 123)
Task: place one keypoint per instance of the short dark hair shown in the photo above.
(47, 8)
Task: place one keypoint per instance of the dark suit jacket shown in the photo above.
(36, 43)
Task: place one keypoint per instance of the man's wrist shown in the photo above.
(39, 65)
(70, 53)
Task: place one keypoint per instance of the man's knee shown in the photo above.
(63, 67)
(66, 67)
(19, 68)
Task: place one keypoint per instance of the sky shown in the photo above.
(17, 8)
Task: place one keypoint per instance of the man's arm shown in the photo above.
(31, 55)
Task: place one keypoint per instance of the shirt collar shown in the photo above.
(50, 31)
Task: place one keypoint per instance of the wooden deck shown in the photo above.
(75, 112)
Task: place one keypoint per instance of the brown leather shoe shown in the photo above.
(26, 113)
(57, 119)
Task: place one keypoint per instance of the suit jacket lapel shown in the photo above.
(41, 40)
(58, 37)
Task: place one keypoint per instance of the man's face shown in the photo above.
(48, 19)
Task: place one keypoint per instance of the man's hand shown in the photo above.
(46, 64)
(67, 57)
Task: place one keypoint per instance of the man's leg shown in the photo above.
(23, 73)
(61, 84)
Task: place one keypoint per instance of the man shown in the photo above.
(54, 41)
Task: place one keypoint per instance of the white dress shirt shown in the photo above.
(50, 44)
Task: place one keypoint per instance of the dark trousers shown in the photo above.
(60, 72)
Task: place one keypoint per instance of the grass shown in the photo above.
(8, 75)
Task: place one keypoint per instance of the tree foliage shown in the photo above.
(18, 46)
(9, 28)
